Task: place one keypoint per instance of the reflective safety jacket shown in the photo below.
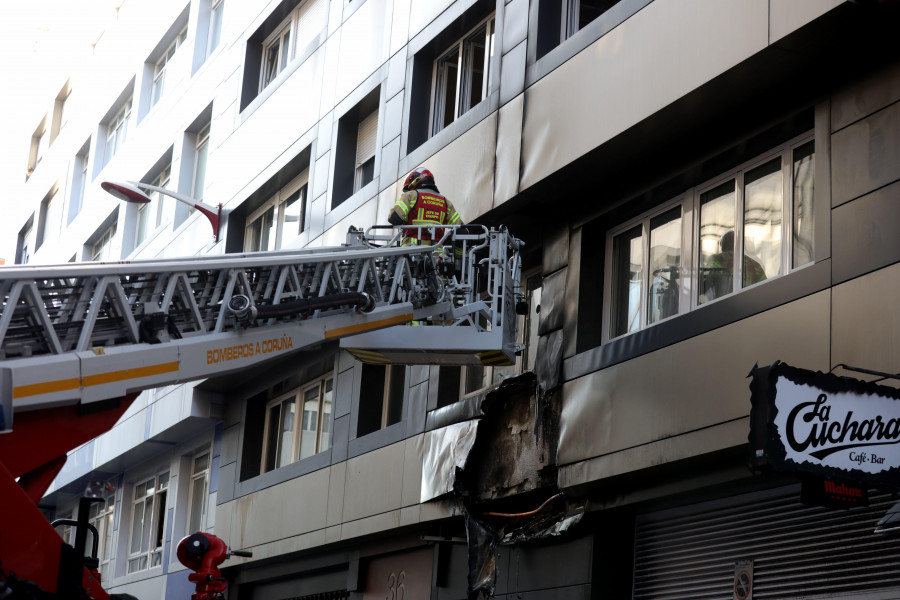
(426, 208)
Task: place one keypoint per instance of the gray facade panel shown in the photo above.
(512, 73)
(515, 24)
(573, 283)
(227, 478)
(866, 155)
(556, 565)
(396, 74)
(869, 238)
(390, 165)
(553, 302)
(862, 98)
(418, 374)
(555, 250)
(340, 439)
(417, 405)
(343, 393)
(231, 440)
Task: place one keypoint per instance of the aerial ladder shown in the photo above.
(78, 342)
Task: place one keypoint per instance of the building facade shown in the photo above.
(637, 147)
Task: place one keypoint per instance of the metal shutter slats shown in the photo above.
(797, 550)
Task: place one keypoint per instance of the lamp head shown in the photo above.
(125, 191)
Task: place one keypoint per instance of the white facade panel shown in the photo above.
(667, 49)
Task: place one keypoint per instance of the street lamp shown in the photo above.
(133, 191)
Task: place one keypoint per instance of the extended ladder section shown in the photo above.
(87, 332)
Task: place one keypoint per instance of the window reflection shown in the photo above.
(665, 263)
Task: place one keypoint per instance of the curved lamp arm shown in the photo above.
(133, 191)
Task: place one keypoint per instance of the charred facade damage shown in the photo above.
(496, 474)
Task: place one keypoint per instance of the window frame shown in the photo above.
(27, 237)
(144, 558)
(157, 204)
(364, 165)
(214, 32)
(203, 476)
(40, 143)
(461, 48)
(369, 422)
(117, 130)
(284, 55)
(79, 184)
(103, 244)
(324, 420)
(103, 519)
(278, 203)
(50, 218)
(159, 68)
(201, 149)
(690, 202)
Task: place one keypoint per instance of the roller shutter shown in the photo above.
(797, 550)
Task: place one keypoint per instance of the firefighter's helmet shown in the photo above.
(420, 177)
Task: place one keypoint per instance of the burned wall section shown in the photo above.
(515, 449)
(508, 486)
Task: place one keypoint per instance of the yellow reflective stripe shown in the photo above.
(360, 327)
(494, 357)
(369, 356)
(402, 208)
(60, 385)
(46, 387)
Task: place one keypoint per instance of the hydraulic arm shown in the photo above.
(79, 341)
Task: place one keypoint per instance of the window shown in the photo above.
(116, 130)
(217, 13)
(561, 19)
(51, 213)
(101, 248)
(280, 219)
(298, 424)
(148, 520)
(159, 69)
(381, 397)
(291, 39)
(79, 182)
(40, 140)
(355, 150)
(365, 151)
(199, 494)
(276, 53)
(102, 516)
(150, 214)
(201, 156)
(60, 114)
(66, 532)
(682, 255)
(26, 242)
(462, 75)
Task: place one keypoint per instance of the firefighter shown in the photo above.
(422, 204)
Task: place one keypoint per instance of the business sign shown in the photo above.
(833, 427)
(833, 493)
